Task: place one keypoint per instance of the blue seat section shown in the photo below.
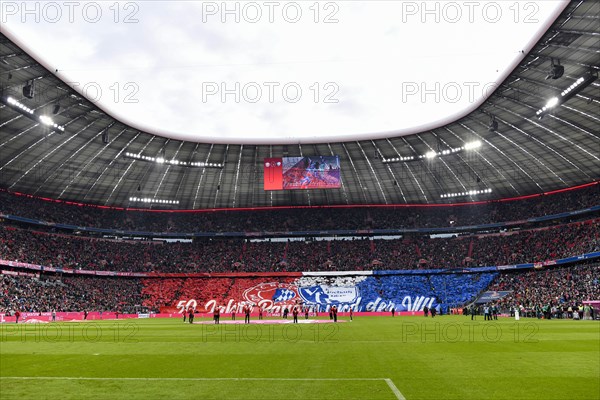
(458, 289)
(412, 292)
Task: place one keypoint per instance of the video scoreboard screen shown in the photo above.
(289, 173)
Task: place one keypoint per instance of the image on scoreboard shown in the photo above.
(315, 172)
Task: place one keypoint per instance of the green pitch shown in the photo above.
(449, 357)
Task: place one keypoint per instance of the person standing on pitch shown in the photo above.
(260, 312)
(233, 313)
(334, 311)
(295, 314)
(191, 315)
(217, 314)
(393, 312)
(247, 310)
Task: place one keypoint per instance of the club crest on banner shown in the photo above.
(323, 294)
(278, 293)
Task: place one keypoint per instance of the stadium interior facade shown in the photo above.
(512, 186)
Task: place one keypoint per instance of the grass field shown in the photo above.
(449, 357)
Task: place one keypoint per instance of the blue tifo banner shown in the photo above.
(360, 293)
(371, 293)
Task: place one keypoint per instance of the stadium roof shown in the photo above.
(522, 155)
(219, 73)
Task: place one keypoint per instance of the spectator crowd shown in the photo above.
(77, 293)
(557, 292)
(552, 293)
(299, 219)
(556, 289)
(242, 255)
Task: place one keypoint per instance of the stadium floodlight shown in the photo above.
(29, 113)
(552, 102)
(46, 120)
(432, 154)
(162, 160)
(153, 201)
(571, 91)
(473, 145)
(19, 105)
(473, 192)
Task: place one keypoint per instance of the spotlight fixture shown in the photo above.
(556, 70)
(472, 145)
(493, 126)
(46, 120)
(567, 93)
(105, 137)
(19, 105)
(29, 90)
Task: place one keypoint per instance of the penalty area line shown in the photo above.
(397, 392)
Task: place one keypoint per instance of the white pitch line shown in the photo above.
(398, 394)
(82, 378)
(389, 382)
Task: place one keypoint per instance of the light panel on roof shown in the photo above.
(173, 161)
(472, 192)
(433, 154)
(44, 119)
(149, 200)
